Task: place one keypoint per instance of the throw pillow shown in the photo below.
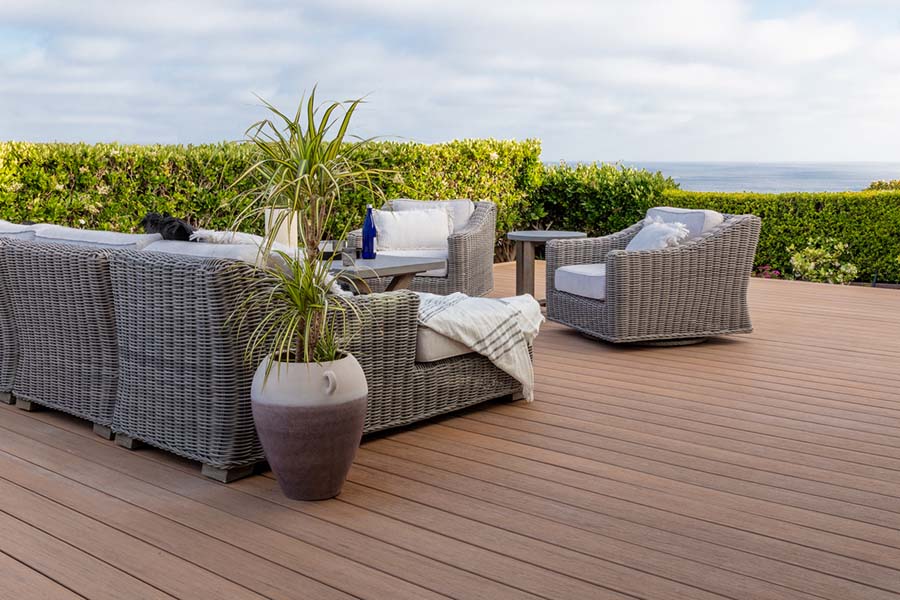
(460, 210)
(697, 221)
(412, 229)
(656, 235)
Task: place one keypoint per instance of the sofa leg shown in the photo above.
(517, 396)
(227, 475)
(7, 398)
(27, 405)
(126, 441)
(104, 431)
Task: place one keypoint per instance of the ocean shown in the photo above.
(773, 177)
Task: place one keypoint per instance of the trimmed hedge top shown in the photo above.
(112, 186)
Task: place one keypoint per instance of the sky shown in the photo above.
(633, 80)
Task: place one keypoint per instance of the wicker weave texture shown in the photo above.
(9, 345)
(184, 384)
(64, 317)
(697, 289)
(470, 258)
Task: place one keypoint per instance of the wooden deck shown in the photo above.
(758, 467)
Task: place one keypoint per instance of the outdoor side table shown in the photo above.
(401, 270)
(526, 242)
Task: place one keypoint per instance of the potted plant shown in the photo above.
(308, 395)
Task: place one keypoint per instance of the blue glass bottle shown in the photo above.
(369, 233)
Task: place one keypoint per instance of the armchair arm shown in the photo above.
(562, 253)
(470, 259)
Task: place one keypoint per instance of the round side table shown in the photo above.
(526, 242)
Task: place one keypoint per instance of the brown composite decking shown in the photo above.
(763, 466)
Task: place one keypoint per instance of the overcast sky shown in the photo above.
(631, 79)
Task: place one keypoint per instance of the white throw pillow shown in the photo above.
(412, 229)
(697, 221)
(460, 210)
(656, 234)
(93, 237)
(14, 230)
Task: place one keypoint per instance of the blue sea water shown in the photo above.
(773, 177)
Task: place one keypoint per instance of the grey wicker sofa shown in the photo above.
(470, 261)
(66, 354)
(678, 294)
(184, 385)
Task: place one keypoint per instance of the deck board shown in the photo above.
(764, 466)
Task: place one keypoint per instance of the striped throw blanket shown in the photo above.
(498, 329)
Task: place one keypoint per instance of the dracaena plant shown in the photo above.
(303, 164)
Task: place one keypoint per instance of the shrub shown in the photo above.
(596, 198)
(869, 222)
(112, 186)
(882, 185)
(822, 261)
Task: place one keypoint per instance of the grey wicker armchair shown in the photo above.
(61, 299)
(470, 261)
(674, 295)
(185, 386)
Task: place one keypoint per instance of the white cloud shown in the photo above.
(644, 79)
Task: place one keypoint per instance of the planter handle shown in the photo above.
(330, 382)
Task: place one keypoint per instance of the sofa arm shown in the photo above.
(562, 253)
(470, 259)
(380, 331)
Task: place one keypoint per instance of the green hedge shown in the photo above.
(112, 186)
(596, 198)
(868, 221)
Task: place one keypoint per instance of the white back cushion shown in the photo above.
(697, 221)
(412, 229)
(14, 230)
(92, 237)
(248, 253)
(655, 235)
(460, 210)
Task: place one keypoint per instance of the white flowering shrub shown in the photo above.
(823, 261)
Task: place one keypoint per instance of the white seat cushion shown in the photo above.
(442, 272)
(411, 229)
(698, 221)
(14, 230)
(460, 210)
(582, 280)
(93, 237)
(432, 346)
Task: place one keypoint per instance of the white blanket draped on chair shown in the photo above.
(499, 329)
